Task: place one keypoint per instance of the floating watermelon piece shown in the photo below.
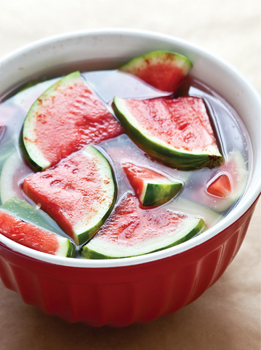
(151, 187)
(220, 187)
(20, 222)
(13, 172)
(132, 231)
(64, 119)
(209, 216)
(225, 187)
(163, 70)
(79, 193)
(177, 132)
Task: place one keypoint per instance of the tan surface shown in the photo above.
(227, 316)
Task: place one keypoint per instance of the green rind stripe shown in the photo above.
(169, 156)
(27, 213)
(86, 235)
(158, 194)
(88, 253)
(135, 63)
(28, 127)
(70, 249)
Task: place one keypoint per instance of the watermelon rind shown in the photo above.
(26, 212)
(83, 232)
(100, 248)
(156, 189)
(155, 194)
(161, 150)
(13, 165)
(183, 205)
(155, 58)
(6, 150)
(32, 153)
(224, 203)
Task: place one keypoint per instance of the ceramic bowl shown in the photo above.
(139, 289)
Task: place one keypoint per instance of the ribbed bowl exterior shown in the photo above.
(119, 296)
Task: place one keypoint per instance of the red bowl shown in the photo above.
(139, 289)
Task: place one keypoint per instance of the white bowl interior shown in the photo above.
(43, 55)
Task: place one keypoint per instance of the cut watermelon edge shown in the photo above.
(162, 151)
(99, 248)
(32, 153)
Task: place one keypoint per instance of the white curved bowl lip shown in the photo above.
(244, 204)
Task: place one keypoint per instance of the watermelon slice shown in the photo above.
(176, 132)
(225, 187)
(220, 187)
(20, 222)
(151, 187)
(209, 216)
(64, 119)
(163, 70)
(79, 193)
(13, 172)
(132, 231)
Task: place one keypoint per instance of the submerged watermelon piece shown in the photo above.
(221, 186)
(64, 119)
(20, 222)
(151, 187)
(79, 193)
(226, 186)
(13, 172)
(132, 231)
(176, 132)
(163, 70)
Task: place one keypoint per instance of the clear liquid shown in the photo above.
(229, 129)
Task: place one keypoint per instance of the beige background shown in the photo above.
(227, 316)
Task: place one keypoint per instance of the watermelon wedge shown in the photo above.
(78, 193)
(225, 187)
(209, 216)
(23, 224)
(163, 70)
(151, 187)
(64, 119)
(13, 172)
(220, 187)
(132, 231)
(176, 132)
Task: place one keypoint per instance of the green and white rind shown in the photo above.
(156, 58)
(32, 152)
(222, 204)
(100, 248)
(26, 212)
(82, 232)
(183, 205)
(11, 166)
(242, 174)
(158, 191)
(161, 150)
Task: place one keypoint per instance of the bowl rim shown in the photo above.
(232, 217)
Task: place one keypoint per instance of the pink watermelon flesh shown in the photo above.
(68, 191)
(71, 119)
(137, 174)
(225, 187)
(27, 234)
(130, 225)
(220, 187)
(164, 76)
(182, 123)
(163, 70)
